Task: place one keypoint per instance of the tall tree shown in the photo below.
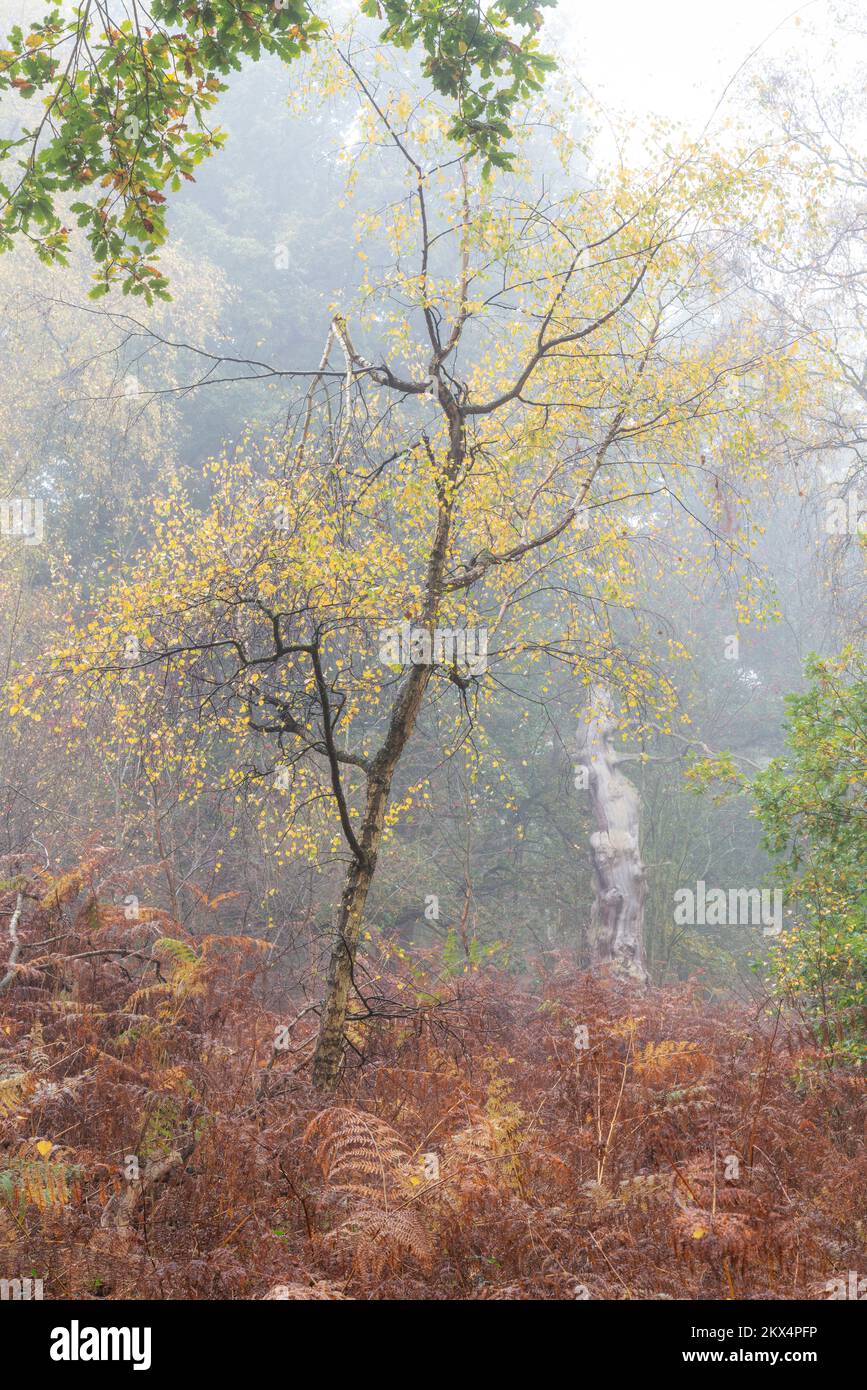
(452, 506)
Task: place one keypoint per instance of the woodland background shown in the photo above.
(170, 906)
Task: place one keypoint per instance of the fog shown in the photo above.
(422, 589)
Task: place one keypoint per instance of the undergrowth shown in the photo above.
(155, 1144)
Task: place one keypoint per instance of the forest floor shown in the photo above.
(572, 1139)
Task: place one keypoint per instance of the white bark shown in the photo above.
(617, 916)
(16, 945)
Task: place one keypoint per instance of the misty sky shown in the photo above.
(674, 58)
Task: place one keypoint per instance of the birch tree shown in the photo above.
(524, 375)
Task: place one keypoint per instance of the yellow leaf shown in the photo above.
(44, 1147)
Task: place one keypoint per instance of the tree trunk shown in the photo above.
(617, 916)
(329, 1046)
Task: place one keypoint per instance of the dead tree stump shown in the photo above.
(617, 916)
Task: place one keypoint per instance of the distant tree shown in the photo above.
(811, 805)
(813, 809)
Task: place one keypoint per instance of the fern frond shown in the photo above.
(148, 992)
(40, 1182)
(643, 1188)
(358, 1152)
(379, 1238)
(64, 887)
(473, 1145)
(77, 1008)
(685, 1099)
(37, 1056)
(678, 1060)
(181, 952)
(14, 1090)
(236, 943)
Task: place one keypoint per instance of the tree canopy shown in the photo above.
(127, 94)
